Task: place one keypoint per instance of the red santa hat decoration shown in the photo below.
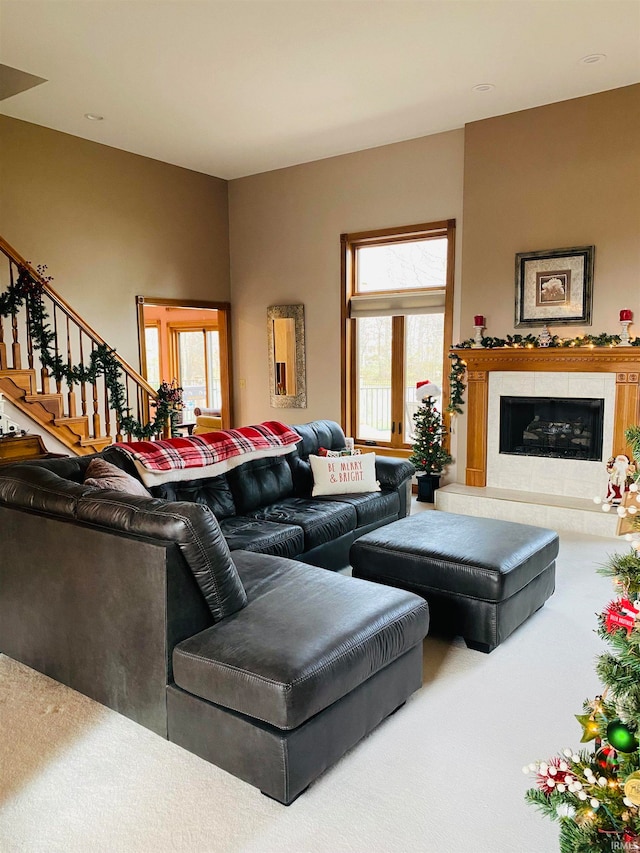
(425, 389)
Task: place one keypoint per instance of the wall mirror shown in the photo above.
(287, 380)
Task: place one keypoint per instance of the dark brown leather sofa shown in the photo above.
(268, 667)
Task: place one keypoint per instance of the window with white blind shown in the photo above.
(398, 297)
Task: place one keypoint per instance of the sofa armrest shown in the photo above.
(392, 472)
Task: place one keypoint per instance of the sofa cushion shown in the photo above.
(192, 527)
(265, 537)
(284, 658)
(344, 474)
(313, 436)
(321, 521)
(260, 482)
(213, 492)
(370, 507)
(104, 475)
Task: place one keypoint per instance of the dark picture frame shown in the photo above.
(554, 286)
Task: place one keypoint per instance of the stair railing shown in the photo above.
(74, 341)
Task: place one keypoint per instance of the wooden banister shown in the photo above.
(64, 306)
(70, 340)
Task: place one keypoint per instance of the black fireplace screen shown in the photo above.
(551, 426)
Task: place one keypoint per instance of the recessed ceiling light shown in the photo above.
(94, 117)
(483, 87)
(592, 58)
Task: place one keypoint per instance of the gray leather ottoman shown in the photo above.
(481, 577)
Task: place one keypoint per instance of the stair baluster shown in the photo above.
(3, 348)
(15, 347)
(97, 432)
(29, 338)
(83, 385)
(71, 394)
(107, 412)
(55, 332)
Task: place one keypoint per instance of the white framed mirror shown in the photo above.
(287, 372)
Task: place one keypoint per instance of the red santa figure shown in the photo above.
(619, 468)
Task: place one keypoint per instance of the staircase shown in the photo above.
(80, 415)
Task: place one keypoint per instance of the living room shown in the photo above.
(549, 171)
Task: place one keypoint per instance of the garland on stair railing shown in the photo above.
(458, 367)
(102, 361)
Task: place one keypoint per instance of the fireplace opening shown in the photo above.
(552, 426)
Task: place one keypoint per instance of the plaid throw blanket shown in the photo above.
(197, 451)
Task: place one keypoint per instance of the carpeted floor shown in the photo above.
(443, 775)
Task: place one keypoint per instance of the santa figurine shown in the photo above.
(619, 469)
(425, 389)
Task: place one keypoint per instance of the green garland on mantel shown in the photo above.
(27, 290)
(458, 367)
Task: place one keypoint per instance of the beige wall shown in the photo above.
(285, 231)
(561, 175)
(110, 225)
(566, 174)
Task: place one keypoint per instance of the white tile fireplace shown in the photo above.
(552, 492)
(548, 475)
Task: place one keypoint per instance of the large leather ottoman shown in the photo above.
(481, 577)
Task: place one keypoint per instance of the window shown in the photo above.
(198, 352)
(152, 349)
(398, 297)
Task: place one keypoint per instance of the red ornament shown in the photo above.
(607, 757)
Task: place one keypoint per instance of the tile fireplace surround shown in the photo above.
(533, 489)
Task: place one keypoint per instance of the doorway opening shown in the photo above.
(188, 341)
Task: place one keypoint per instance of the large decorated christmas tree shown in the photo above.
(594, 792)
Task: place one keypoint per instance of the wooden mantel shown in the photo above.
(623, 361)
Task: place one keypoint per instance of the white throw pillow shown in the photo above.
(341, 475)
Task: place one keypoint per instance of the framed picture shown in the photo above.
(554, 286)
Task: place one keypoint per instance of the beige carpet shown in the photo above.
(441, 776)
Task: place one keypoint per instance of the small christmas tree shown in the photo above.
(595, 794)
(429, 456)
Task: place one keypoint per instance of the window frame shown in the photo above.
(350, 243)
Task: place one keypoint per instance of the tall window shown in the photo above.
(398, 297)
(198, 357)
(152, 349)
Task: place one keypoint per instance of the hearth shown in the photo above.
(552, 427)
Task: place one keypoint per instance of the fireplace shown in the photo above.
(552, 427)
(610, 373)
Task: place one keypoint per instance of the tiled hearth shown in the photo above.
(556, 493)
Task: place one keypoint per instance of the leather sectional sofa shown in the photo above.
(265, 505)
(267, 667)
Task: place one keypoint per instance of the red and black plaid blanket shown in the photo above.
(196, 451)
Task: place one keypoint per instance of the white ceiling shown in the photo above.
(236, 87)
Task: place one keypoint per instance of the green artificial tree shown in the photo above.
(594, 793)
(429, 456)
